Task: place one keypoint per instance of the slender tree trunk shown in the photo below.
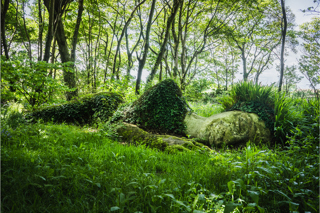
(284, 32)
(4, 9)
(146, 48)
(40, 31)
(129, 63)
(257, 78)
(244, 64)
(105, 55)
(53, 56)
(160, 74)
(27, 34)
(68, 74)
(176, 39)
(175, 7)
(120, 39)
(226, 79)
(76, 31)
(97, 46)
(50, 34)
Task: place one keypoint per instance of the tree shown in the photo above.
(310, 58)
(174, 10)
(142, 60)
(253, 33)
(283, 35)
(127, 22)
(59, 9)
(290, 77)
(4, 9)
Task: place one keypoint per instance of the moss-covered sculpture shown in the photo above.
(134, 135)
(82, 111)
(160, 109)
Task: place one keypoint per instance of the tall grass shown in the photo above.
(248, 91)
(62, 168)
(205, 109)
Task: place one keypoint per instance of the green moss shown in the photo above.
(156, 143)
(134, 135)
(189, 146)
(160, 109)
(81, 111)
(176, 149)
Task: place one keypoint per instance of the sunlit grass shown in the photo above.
(63, 168)
(206, 110)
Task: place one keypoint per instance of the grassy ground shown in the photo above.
(206, 109)
(63, 168)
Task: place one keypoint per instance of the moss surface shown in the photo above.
(82, 111)
(160, 109)
(134, 135)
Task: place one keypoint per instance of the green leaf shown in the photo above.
(114, 208)
(170, 195)
(254, 195)
(231, 206)
(231, 187)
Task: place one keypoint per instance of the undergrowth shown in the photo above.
(63, 168)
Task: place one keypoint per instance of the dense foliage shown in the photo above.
(160, 109)
(82, 111)
(61, 168)
(54, 51)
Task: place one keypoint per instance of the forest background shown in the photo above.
(97, 51)
(83, 47)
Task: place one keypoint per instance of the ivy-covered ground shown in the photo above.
(66, 168)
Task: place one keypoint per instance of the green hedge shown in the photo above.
(83, 111)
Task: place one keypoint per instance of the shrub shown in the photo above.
(12, 116)
(160, 109)
(82, 111)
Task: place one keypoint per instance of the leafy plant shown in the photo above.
(31, 81)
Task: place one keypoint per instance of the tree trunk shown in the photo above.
(146, 47)
(76, 31)
(120, 39)
(68, 73)
(50, 34)
(160, 74)
(129, 63)
(175, 7)
(40, 31)
(176, 39)
(4, 9)
(244, 64)
(284, 32)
